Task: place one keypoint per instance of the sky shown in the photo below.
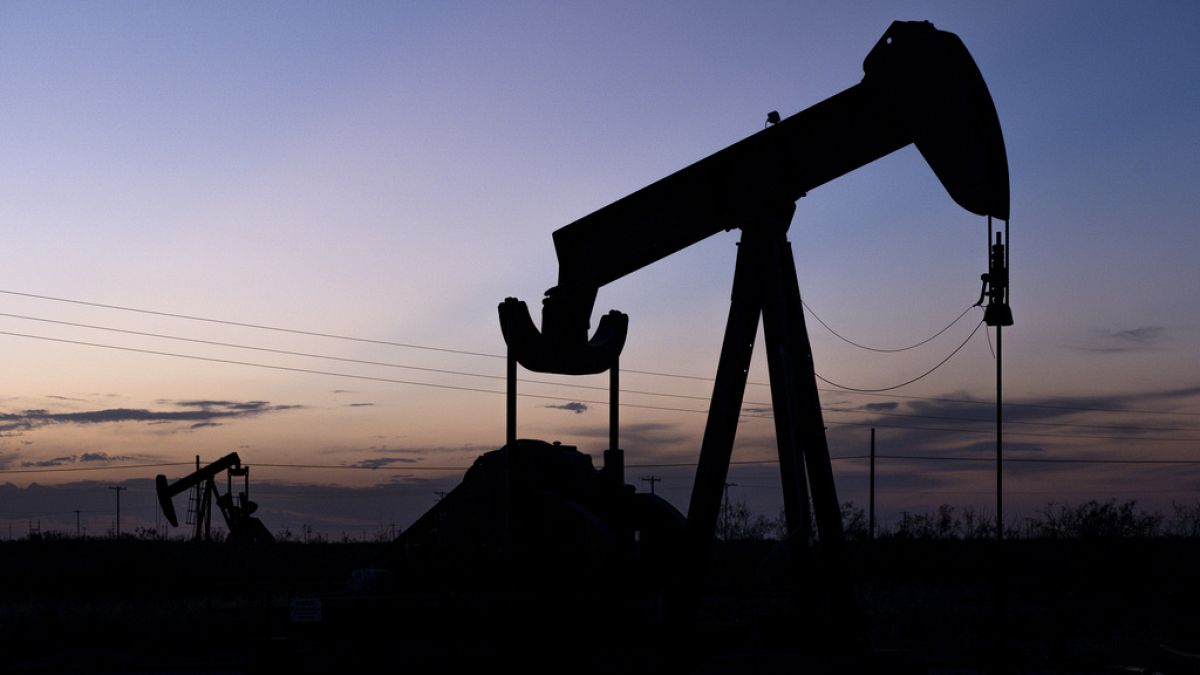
(392, 171)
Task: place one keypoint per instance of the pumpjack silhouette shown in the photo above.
(237, 512)
(921, 87)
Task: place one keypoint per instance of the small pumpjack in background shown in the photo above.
(237, 511)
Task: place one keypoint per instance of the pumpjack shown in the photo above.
(237, 511)
(921, 87)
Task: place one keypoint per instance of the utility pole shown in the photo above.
(118, 490)
(76, 523)
(998, 314)
(871, 500)
(651, 480)
(725, 514)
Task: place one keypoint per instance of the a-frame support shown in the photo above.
(765, 284)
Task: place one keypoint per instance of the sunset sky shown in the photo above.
(392, 171)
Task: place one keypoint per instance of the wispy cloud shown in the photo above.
(359, 405)
(873, 407)
(1117, 341)
(197, 414)
(573, 406)
(105, 457)
(644, 435)
(378, 462)
(98, 457)
(44, 463)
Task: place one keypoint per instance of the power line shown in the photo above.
(653, 373)
(329, 373)
(540, 396)
(532, 381)
(588, 387)
(434, 385)
(384, 364)
(879, 349)
(646, 465)
(908, 382)
(1045, 460)
(240, 324)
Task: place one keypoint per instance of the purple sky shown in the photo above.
(392, 171)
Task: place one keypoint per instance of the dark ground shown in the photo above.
(925, 607)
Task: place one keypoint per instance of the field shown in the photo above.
(923, 606)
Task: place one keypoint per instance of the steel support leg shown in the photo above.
(726, 407)
(798, 422)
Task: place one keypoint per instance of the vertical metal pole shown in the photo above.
(871, 502)
(510, 446)
(614, 457)
(118, 489)
(614, 413)
(198, 527)
(999, 441)
(999, 395)
(208, 494)
(510, 407)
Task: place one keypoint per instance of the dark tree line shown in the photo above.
(1090, 520)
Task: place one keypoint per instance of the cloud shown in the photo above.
(1109, 341)
(642, 436)
(371, 449)
(1103, 426)
(359, 405)
(758, 410)
(382, 462)
(104, 457)
(198, 413)
(98, 457)
(881, 406)
(44, 463)
(573, 406)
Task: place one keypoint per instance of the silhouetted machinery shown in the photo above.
(237, 511)
(920, 86)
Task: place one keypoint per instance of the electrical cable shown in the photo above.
(625, 370)
(329, 373)
(904, 384)
(523, 395)
(522, 380)
(288, 352)
(880, 349)
(240, 324)
(648, 465)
